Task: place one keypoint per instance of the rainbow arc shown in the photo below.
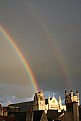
(12, 43)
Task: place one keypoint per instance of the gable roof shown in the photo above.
(54, 101)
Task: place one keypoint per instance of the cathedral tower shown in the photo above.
(72, 104)
(39, 101)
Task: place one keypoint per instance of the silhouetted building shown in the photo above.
(72, 106)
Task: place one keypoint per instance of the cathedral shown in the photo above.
(41, 109)
(40, 103)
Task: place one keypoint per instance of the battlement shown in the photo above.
(72, 97)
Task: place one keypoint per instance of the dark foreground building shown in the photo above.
(8, 118)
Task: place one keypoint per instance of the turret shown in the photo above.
(59, 101)
(66, 93)
(48, 99)
(77, 94)
(71, 95)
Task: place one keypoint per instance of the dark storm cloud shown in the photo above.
(38, 27)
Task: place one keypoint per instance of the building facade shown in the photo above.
(40, 103)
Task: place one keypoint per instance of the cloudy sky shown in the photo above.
(48, 33)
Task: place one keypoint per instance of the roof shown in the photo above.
(24, 106)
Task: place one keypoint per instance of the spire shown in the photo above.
(53, 94)
(71, 93)
(59, 98)
(59, 101)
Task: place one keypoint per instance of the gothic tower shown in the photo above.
(39, 101)
(72, 104)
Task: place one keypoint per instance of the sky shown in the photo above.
(48, 33)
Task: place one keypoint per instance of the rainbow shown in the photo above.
(12, 43)
(64, 68)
